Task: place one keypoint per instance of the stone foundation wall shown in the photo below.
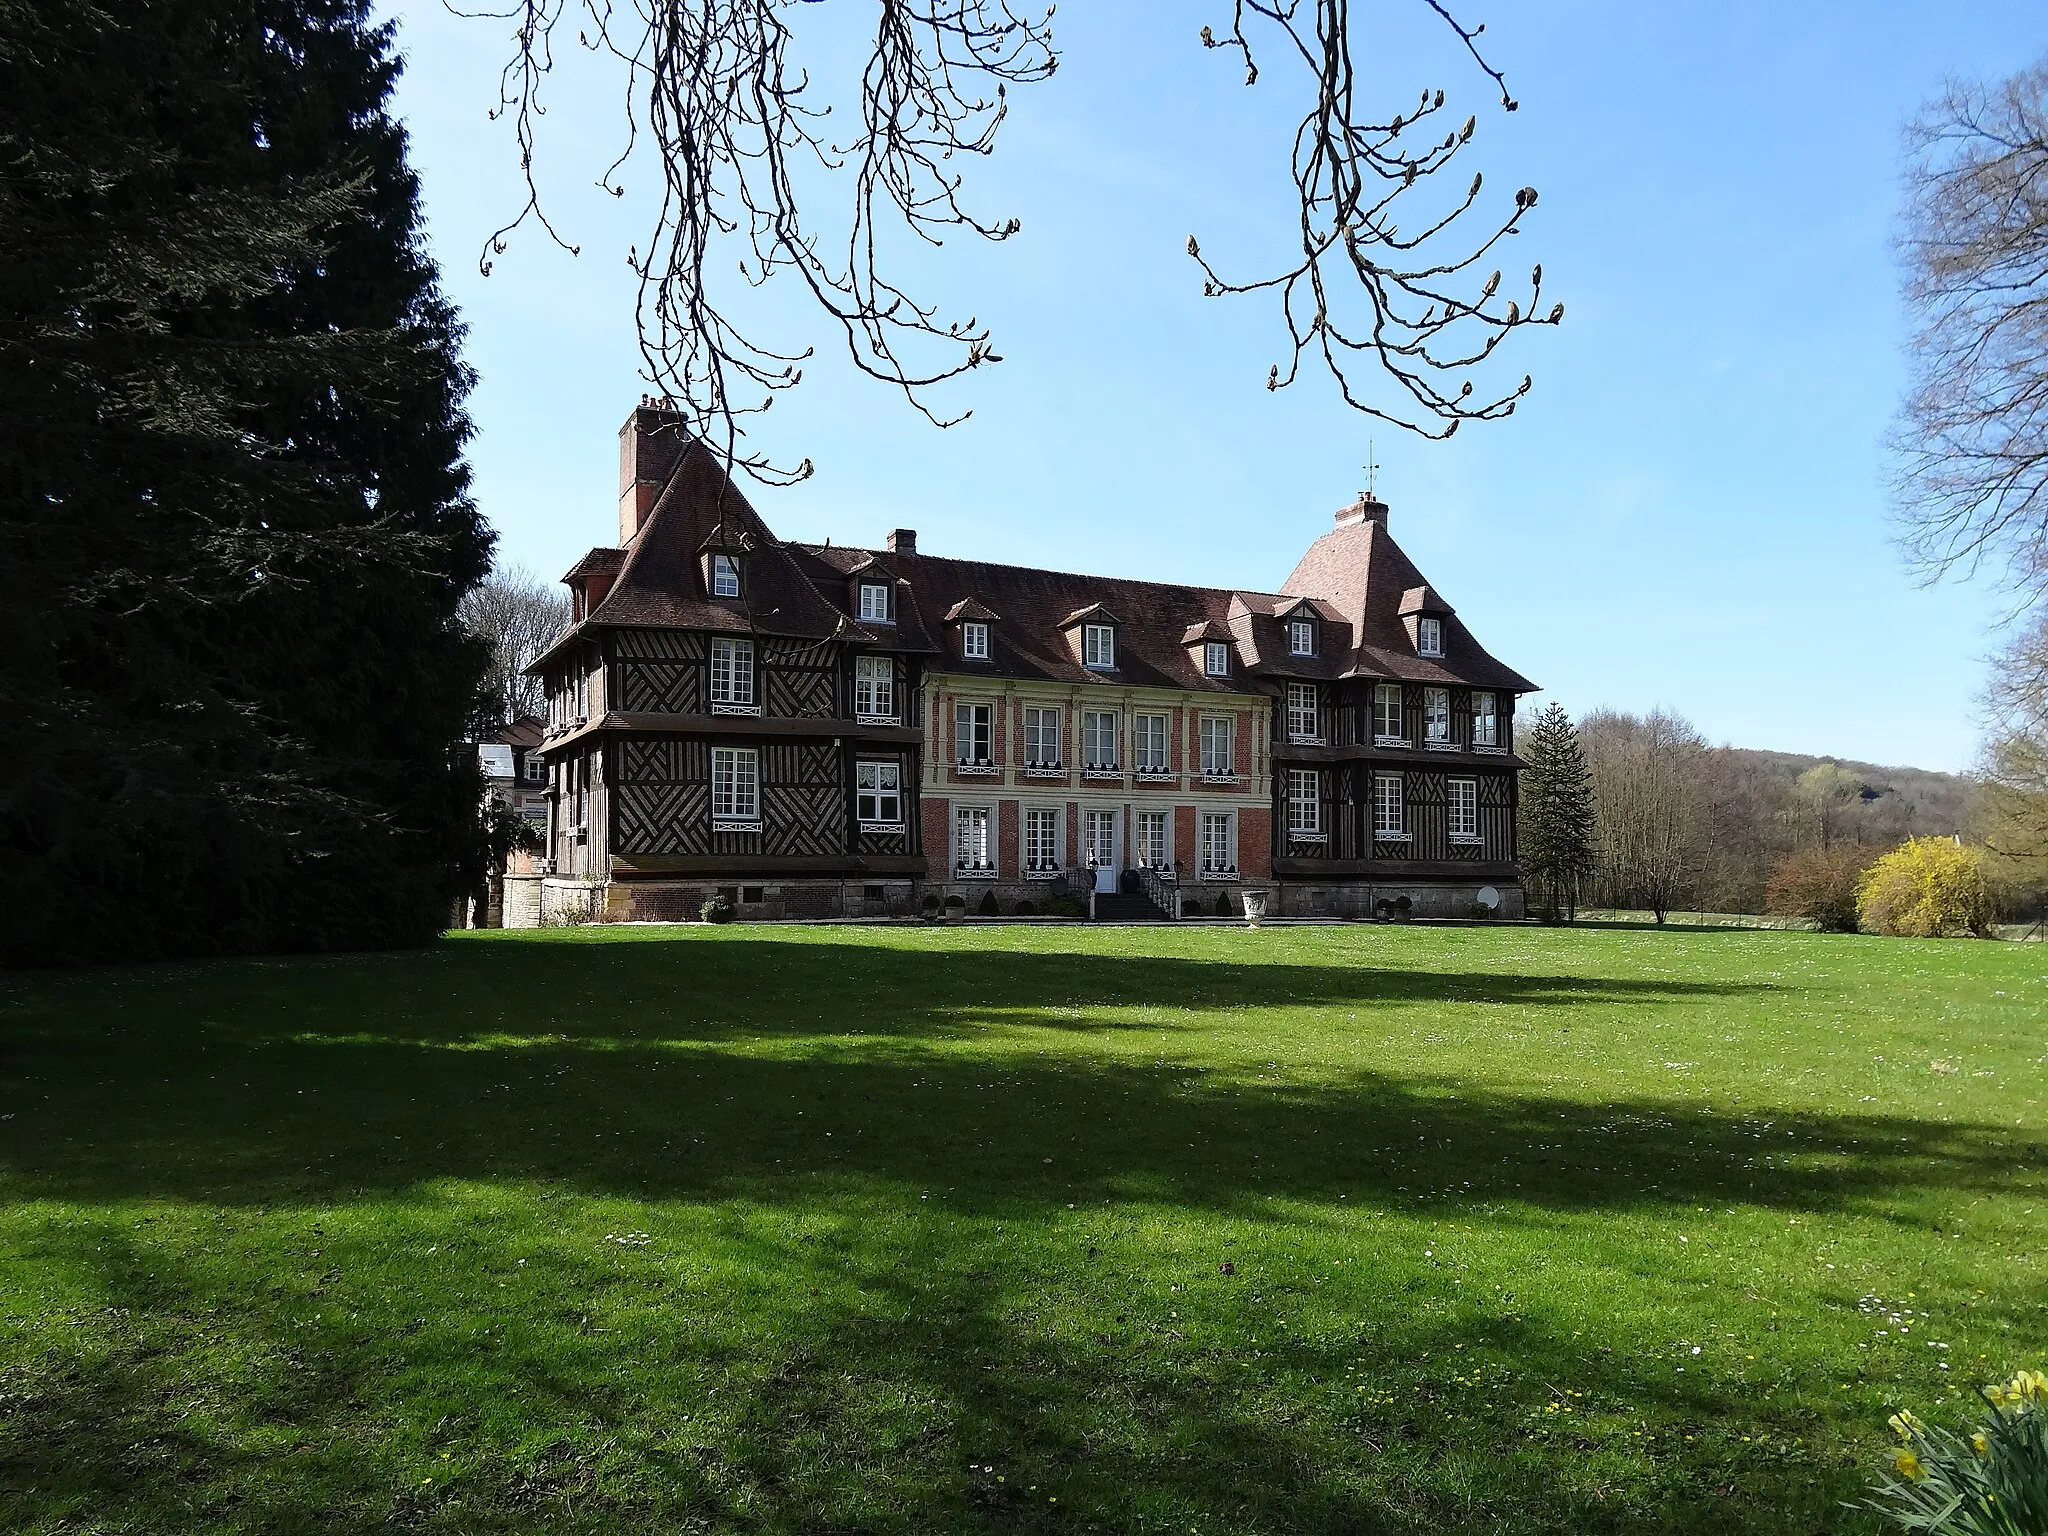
(1307, 898)
(681, 901)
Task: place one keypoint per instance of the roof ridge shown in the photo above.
(1047, 570)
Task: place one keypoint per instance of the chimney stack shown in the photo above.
(1367, 509)
(903, 541)
(650, 443)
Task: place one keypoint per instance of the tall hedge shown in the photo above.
(234, 516)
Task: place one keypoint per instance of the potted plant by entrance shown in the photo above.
(1254, 908)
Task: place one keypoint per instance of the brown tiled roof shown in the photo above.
(1354, 579)
(526, 731)
(599, 562)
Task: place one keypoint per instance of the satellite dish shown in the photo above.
(1489, 898)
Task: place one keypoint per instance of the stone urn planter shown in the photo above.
(1255, 908)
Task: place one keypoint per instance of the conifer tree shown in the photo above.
(1556, 820)
(234, 522)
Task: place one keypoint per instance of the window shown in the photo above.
(1387, 724)
(974, 640)
(1098, 739)
(1148, 735)
(874, 687)
(1485, 723)
(1218, 739)
(1041, 842)
(1304, 716)
(1304, 804)
(1098, 646)
(874, 603)
(879, 793)
(1389, 809)
(970, 840)
(1218, 853)
(732, 676)
(536, 768)
(1216, 658)
(1301, 637)
(1429, 637)
(725, 576)
(1101, 834)
(735, 784)
(1151, 848)
(971, 735)
(1464, 798)
(1041, 738)
(1436, 716)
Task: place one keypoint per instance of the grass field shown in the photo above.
(1025, 1230)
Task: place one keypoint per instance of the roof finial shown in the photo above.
(1372, 472)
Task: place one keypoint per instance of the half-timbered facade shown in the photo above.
(828, 730)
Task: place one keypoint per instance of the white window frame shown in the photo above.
(736, 788)
(874, 690)
(1389, 808)
(1389, 714)
(1485, 722)
(1041, 834)
(1098, 647)
(725, 576)
(1461, 798)
(973, 728)
(1301, 637)
(732, 678)
(1215, 658)
(973, 846)
(974, 640)
(878, 794)
(1216, 845)
(1305, 805)
(1042, 726)
(1304, 713)
(1149, 750)
(1223, 728)
(1429, 637)
(1436, 718)
(536, 768)
(1154, 840)
(1093, 758)
(874, 603)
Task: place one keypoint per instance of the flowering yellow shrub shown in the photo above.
(1926, 888)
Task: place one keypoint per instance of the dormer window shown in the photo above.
(1098, 646)
(725, 576)
(1216, 658)
(974, 640)
(874, 603)
(1301, 637)
(1429, 637)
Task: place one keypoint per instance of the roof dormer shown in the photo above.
(1301, 629)
(722, 561)
(1209, 647)
(1424, 614)
(871, 595)
(974, 625)
(1092, 636)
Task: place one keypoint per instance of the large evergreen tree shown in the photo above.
(1556, 823)
(234, 523)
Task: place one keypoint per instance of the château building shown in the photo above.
(831, 730)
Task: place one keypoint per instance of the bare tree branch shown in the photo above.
(716, 93)
(1973, 434)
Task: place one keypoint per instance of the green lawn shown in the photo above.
(840, 1230)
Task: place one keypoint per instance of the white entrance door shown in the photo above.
(1100, 827)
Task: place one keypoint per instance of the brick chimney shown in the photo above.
(650, 442)
(903, 541)
(1367, 509)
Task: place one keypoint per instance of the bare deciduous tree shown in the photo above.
(1973, 434)
(2014, 806)
(738, 126)
(1647, 784)
(516, 614)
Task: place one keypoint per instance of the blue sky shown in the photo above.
(1688, 511)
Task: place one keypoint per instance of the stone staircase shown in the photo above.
(1127, 907)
